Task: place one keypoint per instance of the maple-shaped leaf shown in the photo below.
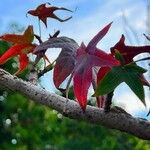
(26, 38)
(79, 63)
(66, 60)
(20, 49)
(22, 45)
(128, 74)
(87, 58)
(43, 12)
(129, 52)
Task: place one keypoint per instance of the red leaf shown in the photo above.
(43, 12)
(21, 46)
(144, 81)
(24, 61)
(101, 73)
(129, 52)
(20, 49)
(87, 59)
(64, 66)
(82, 81)
(92, 44)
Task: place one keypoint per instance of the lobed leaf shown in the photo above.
(92, 44)
(130, 74)
(129, 52)
(26, 38)
(43, 12)
(65, 62)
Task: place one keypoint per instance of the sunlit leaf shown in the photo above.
(27, 37)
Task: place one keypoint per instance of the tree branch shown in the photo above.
(115, 119)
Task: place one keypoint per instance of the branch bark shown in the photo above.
(115, 119)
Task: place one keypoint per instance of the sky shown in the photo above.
(89, 17)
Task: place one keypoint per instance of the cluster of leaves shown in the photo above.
(85, 64)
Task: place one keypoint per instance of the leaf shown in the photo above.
(65, 64)
(101, 73)
(86, 59)
(22, 45)
(66, 60)
(24, 61)
(128, 74)
(135, 68)
(129, 52)
(57, 42)
(119, 57)
(109, 82)
(19, 49)
(92, 44)
(97, 75)
(43, 12)
(26, 38)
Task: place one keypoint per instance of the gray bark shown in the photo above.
(115, 119)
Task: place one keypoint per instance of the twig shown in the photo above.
(46, 69)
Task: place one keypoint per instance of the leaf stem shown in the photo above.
(108, 101)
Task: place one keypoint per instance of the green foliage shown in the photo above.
(130, 74)
(34, 126)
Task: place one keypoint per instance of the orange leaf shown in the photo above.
(16, 50)
(27, 37)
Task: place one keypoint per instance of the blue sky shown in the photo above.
(88, 19)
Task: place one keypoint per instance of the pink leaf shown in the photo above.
(83, 71)
(66, 60)
(64, 66)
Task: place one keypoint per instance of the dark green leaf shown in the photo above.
(109, 82)
(135, 85)
(134, 68)
(128, 74)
